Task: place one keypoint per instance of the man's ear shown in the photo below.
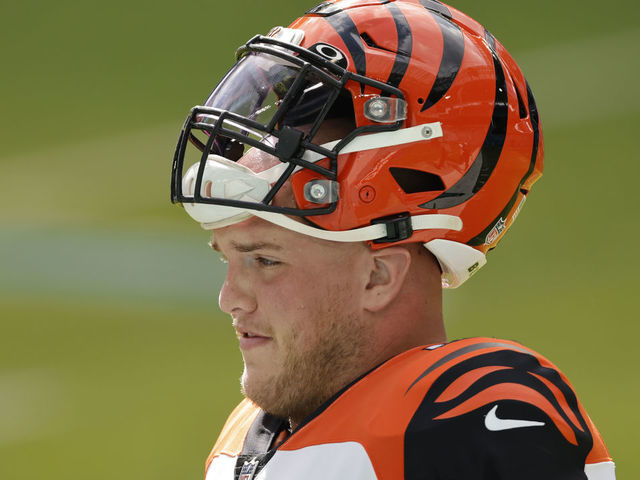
(389, 268)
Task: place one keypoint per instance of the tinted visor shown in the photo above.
(257, 85)
(265, 93)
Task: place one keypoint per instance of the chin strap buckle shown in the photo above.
(399, 227)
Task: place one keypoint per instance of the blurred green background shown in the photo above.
(114, 359)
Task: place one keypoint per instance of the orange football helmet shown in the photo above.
(445, 146)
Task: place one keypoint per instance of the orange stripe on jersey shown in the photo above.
(561, 400)
(463, 381)
(234, 432)
(512, 391)
(599, 452)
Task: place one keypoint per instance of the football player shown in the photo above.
(350, 166)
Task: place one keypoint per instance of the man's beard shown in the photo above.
(309, 378)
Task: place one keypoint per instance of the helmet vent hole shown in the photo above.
(366, 38)
(416, 181)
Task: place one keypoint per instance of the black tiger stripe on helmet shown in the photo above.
(346, 28)
(480, 171)
(343, 24)
(452, 53)
(405, 45)
(534, 119)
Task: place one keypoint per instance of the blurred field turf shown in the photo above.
(114, 360)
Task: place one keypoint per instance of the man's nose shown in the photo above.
(236, 294)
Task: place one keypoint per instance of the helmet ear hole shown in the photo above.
(416, 181)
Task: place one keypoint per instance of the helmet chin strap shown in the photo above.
(457, 260)
(362, 234)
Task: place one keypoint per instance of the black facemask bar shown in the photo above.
(289, 143)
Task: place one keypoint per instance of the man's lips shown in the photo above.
(249, 338)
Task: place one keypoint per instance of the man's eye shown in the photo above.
(266, 262)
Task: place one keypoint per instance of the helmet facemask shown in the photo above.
(276, 98)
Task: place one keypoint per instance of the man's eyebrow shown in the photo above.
(248, 247)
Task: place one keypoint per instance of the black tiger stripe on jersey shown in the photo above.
(521, 370)
(480, 171)
(514, 357)
(469, 450)
(457, 353)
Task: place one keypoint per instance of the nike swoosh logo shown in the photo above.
(495, 424)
